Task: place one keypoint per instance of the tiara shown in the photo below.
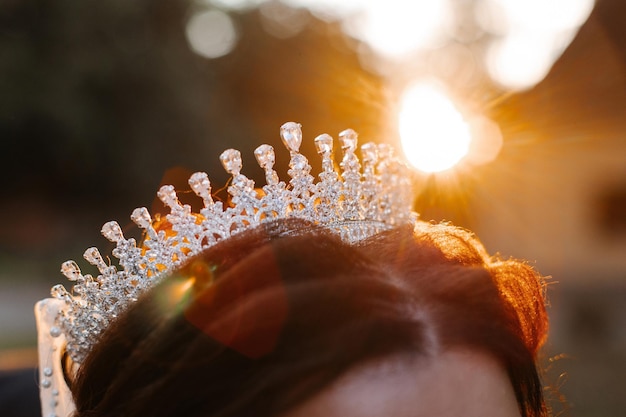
(355, 202)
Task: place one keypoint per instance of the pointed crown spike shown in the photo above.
(324, 144)
(112, 231)
(348, 139)
(141, 217)
(231, 160)
(264, 155)
(167, 194)
(200, 184)
(291, 134)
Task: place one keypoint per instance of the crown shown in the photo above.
(355, 202)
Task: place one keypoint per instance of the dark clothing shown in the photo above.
(19, 393)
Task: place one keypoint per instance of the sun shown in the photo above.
(434, 135)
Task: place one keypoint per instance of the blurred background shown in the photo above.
(513, 114)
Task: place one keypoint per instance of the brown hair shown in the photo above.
(265, 319)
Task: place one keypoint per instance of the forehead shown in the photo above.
(454, 383)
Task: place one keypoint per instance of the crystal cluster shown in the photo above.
(355, 203)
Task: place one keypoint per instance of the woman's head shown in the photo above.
(264, 322)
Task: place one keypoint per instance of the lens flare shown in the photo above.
(434, 135)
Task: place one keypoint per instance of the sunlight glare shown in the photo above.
(434, 135)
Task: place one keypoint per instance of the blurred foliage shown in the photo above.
(101, 100)
(91, 91)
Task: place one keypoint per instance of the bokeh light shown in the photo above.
(434, 135)
(546, 15)
(233, 4)
(518, 41)
(531, 35)
(397, 27)
(520, 61)
(282, 21)
(211, 33)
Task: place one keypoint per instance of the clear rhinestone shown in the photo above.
(55, 392)
(348, 140)
(324, 144)
(242, 182)
(265, 156)
(199, 183)
(231, 160)
(59, 292)
(291, 134)
(92, 255)
(298, 162)
(384, 151)
(271, 177)
(78, 289)
(167, 194)
(141, 217)
(112, 231)
(47, 371)
(71, 270)
(55, 331)
(46, 383)
(368, 151)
